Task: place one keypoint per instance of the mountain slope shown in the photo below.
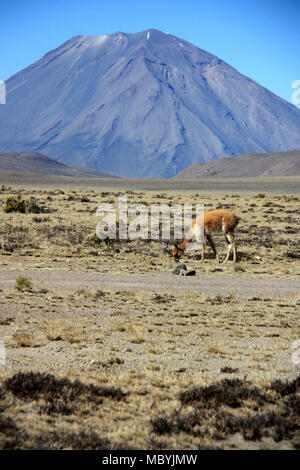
(33, 162)
(141, 105)
(247, 165)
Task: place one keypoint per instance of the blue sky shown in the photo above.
(260, 38)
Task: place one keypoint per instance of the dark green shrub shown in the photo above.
(33, 208)
(13, 204)
(94, 240)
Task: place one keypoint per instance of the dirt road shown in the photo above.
(157, 282)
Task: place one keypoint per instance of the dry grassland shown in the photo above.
(97, 367)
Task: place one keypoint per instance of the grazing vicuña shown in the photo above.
(207, 223)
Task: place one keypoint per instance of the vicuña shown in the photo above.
(210, 222)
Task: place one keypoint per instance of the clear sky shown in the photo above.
(260, 38)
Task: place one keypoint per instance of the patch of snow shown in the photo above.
(99, 40)
(148, 35)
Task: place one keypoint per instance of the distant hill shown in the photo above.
(34, 162)
(247, 165)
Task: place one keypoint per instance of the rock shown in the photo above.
(179, 268)
(190, 272)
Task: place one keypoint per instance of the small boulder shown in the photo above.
(179, 269)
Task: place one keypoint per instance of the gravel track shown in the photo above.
(158, 282)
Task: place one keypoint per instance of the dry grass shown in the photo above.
(267, 235)
(156, 348)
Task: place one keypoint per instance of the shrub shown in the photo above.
(40, 219)
(23, 340)
(5, 188)
(291, 198)
(13, 204)
(24, 284)
(94, 240)
(33, 208)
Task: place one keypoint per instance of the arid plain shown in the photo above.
(107, 349)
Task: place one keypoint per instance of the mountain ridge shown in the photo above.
(146, 104)
(37, 163)
(246, 165)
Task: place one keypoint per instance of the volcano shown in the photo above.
(147, 104)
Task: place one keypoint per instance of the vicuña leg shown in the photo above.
(213, 246)
(203, 249)
(231, 245)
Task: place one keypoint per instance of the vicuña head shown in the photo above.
(177, 252)
(211, 221)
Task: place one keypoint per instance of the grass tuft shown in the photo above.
(24, 284)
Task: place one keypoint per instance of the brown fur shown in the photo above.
(213, 221)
